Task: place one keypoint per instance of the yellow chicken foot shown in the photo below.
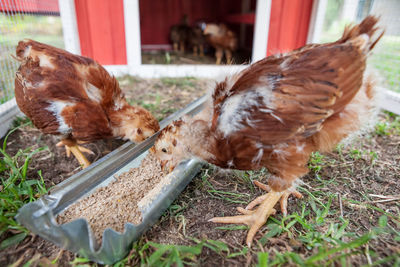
(77, 152)
(253, 218)
(284, 198)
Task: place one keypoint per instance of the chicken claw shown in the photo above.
(253, 218)
(77, 151)
(284, 198)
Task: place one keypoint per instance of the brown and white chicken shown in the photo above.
(75, 97)
(222, 39)
(275, 113)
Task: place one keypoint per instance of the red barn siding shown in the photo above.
(101, 30)
(289, 24)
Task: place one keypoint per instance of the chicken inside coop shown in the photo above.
(197, 32)
(75, 98)
(275, 113)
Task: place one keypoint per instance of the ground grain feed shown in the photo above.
(118, 203)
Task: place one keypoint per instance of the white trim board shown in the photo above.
(132, 33)
(201, 71)
(117, 70)
(69, 26)
(261, 29)
(389, 100)
(159, 70)
(316, 21)
(8, 112)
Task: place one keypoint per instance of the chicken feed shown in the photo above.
(121, 201)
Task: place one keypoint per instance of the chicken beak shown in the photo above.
(171, 168)
(167, 167)
(152, 150)
(163, 163)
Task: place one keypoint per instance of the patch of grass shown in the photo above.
(155, 107)
(316, 161)
(155, 254)
(128, 80)
(327, 246)
(168, 255)
(179, 82)
(22, 121)
(386, 59)
(389, 125)
(231, 197)
(16, 190)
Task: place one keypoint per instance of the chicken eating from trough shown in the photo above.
(75, 97)
(275, 113)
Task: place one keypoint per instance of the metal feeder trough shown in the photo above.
(76, 236)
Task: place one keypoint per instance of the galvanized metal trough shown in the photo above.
(76, 236)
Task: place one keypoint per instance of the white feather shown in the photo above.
(235, 109)
(56, 108)
(258, 157)
(44, 61)
(93, 93)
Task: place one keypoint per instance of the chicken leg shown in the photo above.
(219, 53)
(201, 48)
(182, 46)
(195, 48)
(228, 55)
(258, 217)
(72, 146)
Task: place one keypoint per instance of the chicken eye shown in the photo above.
(164, 150)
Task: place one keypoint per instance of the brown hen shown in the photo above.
(222, 39)
(75, 97)
(275, 113)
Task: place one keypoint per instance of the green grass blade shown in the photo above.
(15, 239)
(353, 244)
(262, 259)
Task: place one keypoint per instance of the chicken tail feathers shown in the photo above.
(367, 26)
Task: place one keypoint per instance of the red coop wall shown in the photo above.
(288, 25)
(101, 30)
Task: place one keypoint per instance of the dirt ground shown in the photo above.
(351, 180)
